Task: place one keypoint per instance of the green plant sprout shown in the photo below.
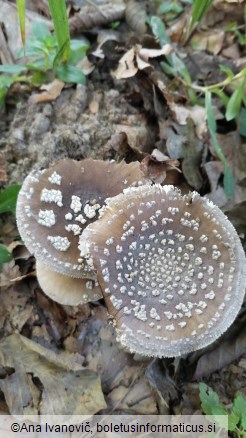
(199, 10)
(8, 199)
(234, 105)
(211, 405)
(58, 12)
(239, 31)
(45, 61)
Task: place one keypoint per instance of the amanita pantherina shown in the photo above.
(172, 269)
(53, 208)
(67, 290)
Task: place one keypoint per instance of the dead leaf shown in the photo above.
(162, 384)
(211, 41)
(236, 215)
(21, 395)
(156, 166)
(214, 171)
(218, 197)
(173, 137)
(137, 59)
(9, 272)
(86, 66)
(136, 399)
(19, 317)
(229, 348)
(224, 12)
(145, 54)
(182, 113)
(190, 402)
(231, 52)
(67, 388)
(193, 149)
(91, 16)
(126, 68)
(182, 142)
(137, 132)
(102, 38)
(196, 113)
(53, 90)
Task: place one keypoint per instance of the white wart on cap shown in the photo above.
(56, 204)
(172, 269)
(67, 290)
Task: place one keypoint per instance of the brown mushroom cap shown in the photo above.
(172, 269)
(56, 204)
(67, 290)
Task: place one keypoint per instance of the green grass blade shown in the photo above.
(12, 69)
(21, 7)
(234, 103)
(59, 16)
(5, 256)
(200, 7)
(159, 30)
(228, 181)
(8, 198)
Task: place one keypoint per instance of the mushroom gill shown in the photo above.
(67, 290)
(171, 268)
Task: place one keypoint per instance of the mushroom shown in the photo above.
(171, 268)
(67, 290)
(56, 204)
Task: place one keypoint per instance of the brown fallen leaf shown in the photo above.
(52, 91)
(102, 38)
(182, 142)
(86, 66)
(136, 399)
(9, 273)
(67, 387)
(21, 395)
(126, 68)
(182, 113)
(229, 348)
(236, 215)
(162, 383)
(157, 165)
(211, 41)
(214, 170)
(137, 59)
(137, 132)
(232, 52)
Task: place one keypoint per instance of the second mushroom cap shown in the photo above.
(172, 269)
(56, 204)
